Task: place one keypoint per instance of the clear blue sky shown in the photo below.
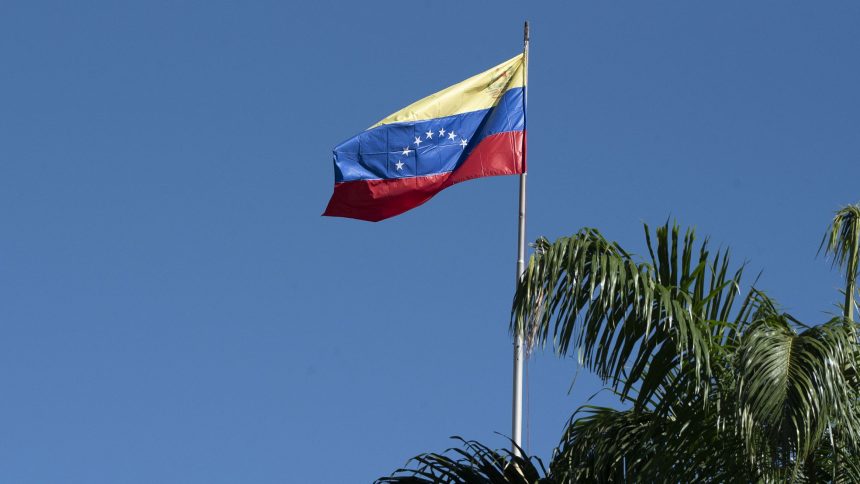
(173, 308)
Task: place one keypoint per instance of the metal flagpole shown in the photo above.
(519, 353)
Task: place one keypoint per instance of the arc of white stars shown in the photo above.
(418, 141)
(429, 134)
(442, 132)
(406, 151)
(399, 165)
(463, 143)
(451, 136)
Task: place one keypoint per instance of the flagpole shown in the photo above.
(519, 353)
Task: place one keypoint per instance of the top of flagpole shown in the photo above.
(525, 88)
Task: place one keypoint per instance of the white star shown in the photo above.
(429, 134)
(451, 136)
(463, 143)
(399, 165)
(418, 141)
(406, 151)
(442, 132)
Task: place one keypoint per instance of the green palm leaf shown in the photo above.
(607, 445)
(792, 386)
(474, 463)
(842, 242)
(631, 322)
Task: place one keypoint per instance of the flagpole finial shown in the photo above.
(526, 31)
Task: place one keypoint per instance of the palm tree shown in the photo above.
(842, 240)
(716, 385)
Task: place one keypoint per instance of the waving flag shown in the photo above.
(473, 129)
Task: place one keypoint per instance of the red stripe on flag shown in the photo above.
(375, 200)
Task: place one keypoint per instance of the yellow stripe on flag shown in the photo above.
(474, 94)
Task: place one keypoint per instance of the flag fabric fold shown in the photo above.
(473, 129)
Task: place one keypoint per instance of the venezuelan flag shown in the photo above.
(473, 129)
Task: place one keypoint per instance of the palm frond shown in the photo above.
(842, 243)
(793, 386)
(607, 445)
(473, 463)
(833, 461)
(632, 323)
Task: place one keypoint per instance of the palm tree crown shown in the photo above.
(717, 385)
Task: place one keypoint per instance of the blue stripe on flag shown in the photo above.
(425, 147)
